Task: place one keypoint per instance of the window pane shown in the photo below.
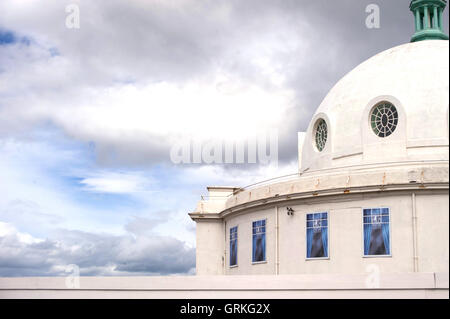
(317, 235)
(233, 246)
(376, 211)
(259, 241)
(377, 246)
(259, 247)
(376, 232)
(384, 119)
(233, 252)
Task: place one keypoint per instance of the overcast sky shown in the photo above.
(88, 116)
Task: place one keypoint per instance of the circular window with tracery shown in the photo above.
(384, 119)
(321, 134)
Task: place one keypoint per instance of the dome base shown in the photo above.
(430, 34)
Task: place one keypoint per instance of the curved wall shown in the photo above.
(287, 246)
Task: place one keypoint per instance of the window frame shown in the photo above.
(237, 246)
(317, 123)
(265, 246)
(396, 120)
(306, 236)
(390, 232)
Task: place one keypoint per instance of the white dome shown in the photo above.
(414, 77)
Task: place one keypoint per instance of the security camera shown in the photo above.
(290, 211)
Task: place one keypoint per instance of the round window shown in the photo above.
(384, 119)
(321, 134)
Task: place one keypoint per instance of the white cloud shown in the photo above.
(7, 229)
(95, 254)
(117, 183)
(236, 176)
(185, 78)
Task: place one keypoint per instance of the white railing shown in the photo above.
(255, 185)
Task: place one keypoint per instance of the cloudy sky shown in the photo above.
(88, 116)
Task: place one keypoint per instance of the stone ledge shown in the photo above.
(400, 285)
(388, 178)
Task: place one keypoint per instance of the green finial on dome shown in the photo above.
(428, 15)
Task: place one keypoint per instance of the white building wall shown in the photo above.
(244, 223)
(210, 250)
(412, 285)
(346, 235)
(433, 235)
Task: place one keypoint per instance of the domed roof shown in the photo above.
(392, 108)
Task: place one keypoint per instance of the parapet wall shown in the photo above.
(360, 286)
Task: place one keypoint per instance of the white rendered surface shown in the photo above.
(409, 285)
(415, 78)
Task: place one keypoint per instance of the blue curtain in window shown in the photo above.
(325, 241)
(367, 236)
(385, 230)
(309, 240)
(259, 253)
(264, 246)
(254, 248)
(233, 253)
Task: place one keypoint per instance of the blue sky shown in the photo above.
(88, 116)
(6, 37)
